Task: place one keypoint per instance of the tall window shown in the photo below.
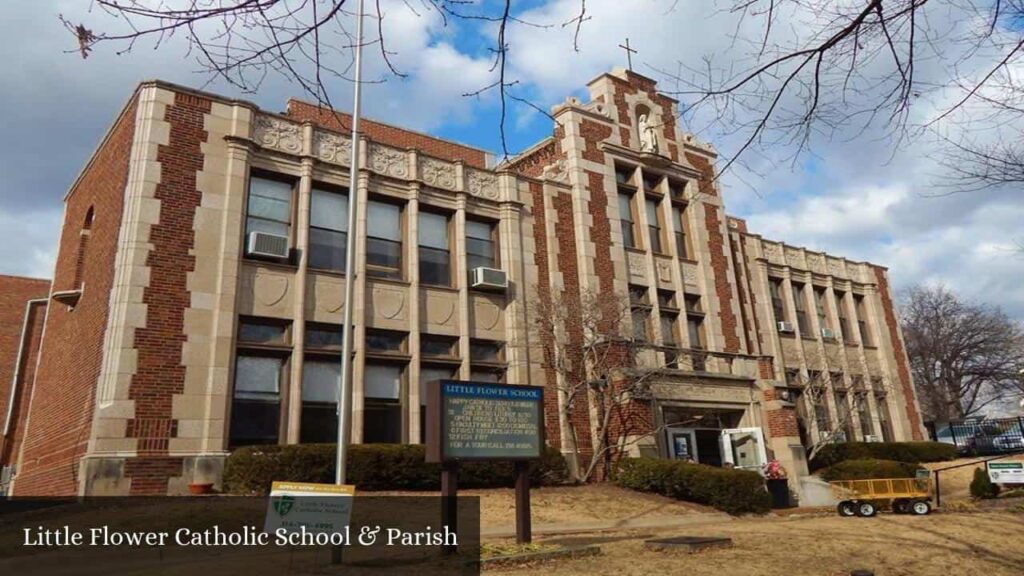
(844, 322)
(321, 375)
(328, 230)
(320, 379)
(860, 398)
(820, 307)
(640, 312)
(480, 245)
(382, 407)
(679, 221)
(270, 207)
(653, 225)
(668, 335)
(383, 240)
(884, 420)
(263, 349)
(695, 329)
(626, 219)
(821, 414)
(843, 414)
(435, 250)
(862, 320)
(801, 310)
(775, 287)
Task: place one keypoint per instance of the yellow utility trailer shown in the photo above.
(866, 497)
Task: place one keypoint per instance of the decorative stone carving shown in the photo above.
(332, 148)
(816, 262)
(794, 258)
(835, 267)
(388, 303)
(664, 271)
(482, 185)
(558, 171)
(271, 132)
(648, 136)
(637, 266)
(773, 252)
(486, 314)
(599, 108)
(330, 295)
(437, 173)
(440, 309)
(389, 161)
(689, 274)
(269, 289)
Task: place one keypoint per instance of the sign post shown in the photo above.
(469, 421)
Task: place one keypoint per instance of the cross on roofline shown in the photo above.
(629, 54)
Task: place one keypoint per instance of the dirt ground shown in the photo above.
(942, 544)
(955, 484)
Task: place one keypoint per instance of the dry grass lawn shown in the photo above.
(977, 544)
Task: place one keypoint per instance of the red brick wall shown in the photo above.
(900, 356)
(61, 407)
(720, 265)
(386, 134)
(160, 373)
(14, 293)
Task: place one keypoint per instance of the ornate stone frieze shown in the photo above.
(835, 268)
(558, 171)
(689, 274)
(332, 148)
(278, 134)
(816, 262)
(795, 258)
(637, 264)
(389, 161)
(773, 252)
(482, 185)
(437, 173)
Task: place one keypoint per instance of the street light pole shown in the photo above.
(345, 385)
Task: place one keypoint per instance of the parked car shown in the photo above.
(991, 438)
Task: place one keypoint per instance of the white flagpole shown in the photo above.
(345, 386)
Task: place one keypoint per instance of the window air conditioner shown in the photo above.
(785, 327)
(489, 279)
(828, 333)
(871, 438)
(266, 245)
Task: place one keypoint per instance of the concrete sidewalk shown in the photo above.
(643, 523)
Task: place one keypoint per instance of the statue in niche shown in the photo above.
(648, 137)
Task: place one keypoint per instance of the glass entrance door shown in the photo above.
(743, 447)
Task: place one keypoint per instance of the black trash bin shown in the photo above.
(779, 489)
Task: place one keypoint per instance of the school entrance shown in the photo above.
(712, 436)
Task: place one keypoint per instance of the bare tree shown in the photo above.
(963, 355)
(603, 365)
(819, 68)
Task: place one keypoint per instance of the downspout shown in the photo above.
(18, 362)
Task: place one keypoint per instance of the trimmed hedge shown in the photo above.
(868, 469)
(251, 469)
(732, 491)
(982, 486)
(898, 451)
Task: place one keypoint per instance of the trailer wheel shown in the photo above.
(921, 508)
(846, 509)
(866, 509)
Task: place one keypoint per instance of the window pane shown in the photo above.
(652, 212)
(668, 330)
(256, 332)
(384, 341)
(384, 253)
(426, 375)
(382, 422)
(485, 351)
(437, 345)
(327, 249)
(435, 267)
(266, 226)
(493, 376)
(257, 376)
(433, 231)
(319, 423)
(640, 324)
(320, 381)
(384, 221)
(267, 188)
(329, 210)
(254, 422)
(382, 381)
(693, 326)
(473, 261)
(478, 230)
(477, 247)
(269, 208)
(626, 207)
(323, 336)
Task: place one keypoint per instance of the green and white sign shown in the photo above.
(1006, 472)
(308, 507)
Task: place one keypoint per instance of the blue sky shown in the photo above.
(852, 196)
